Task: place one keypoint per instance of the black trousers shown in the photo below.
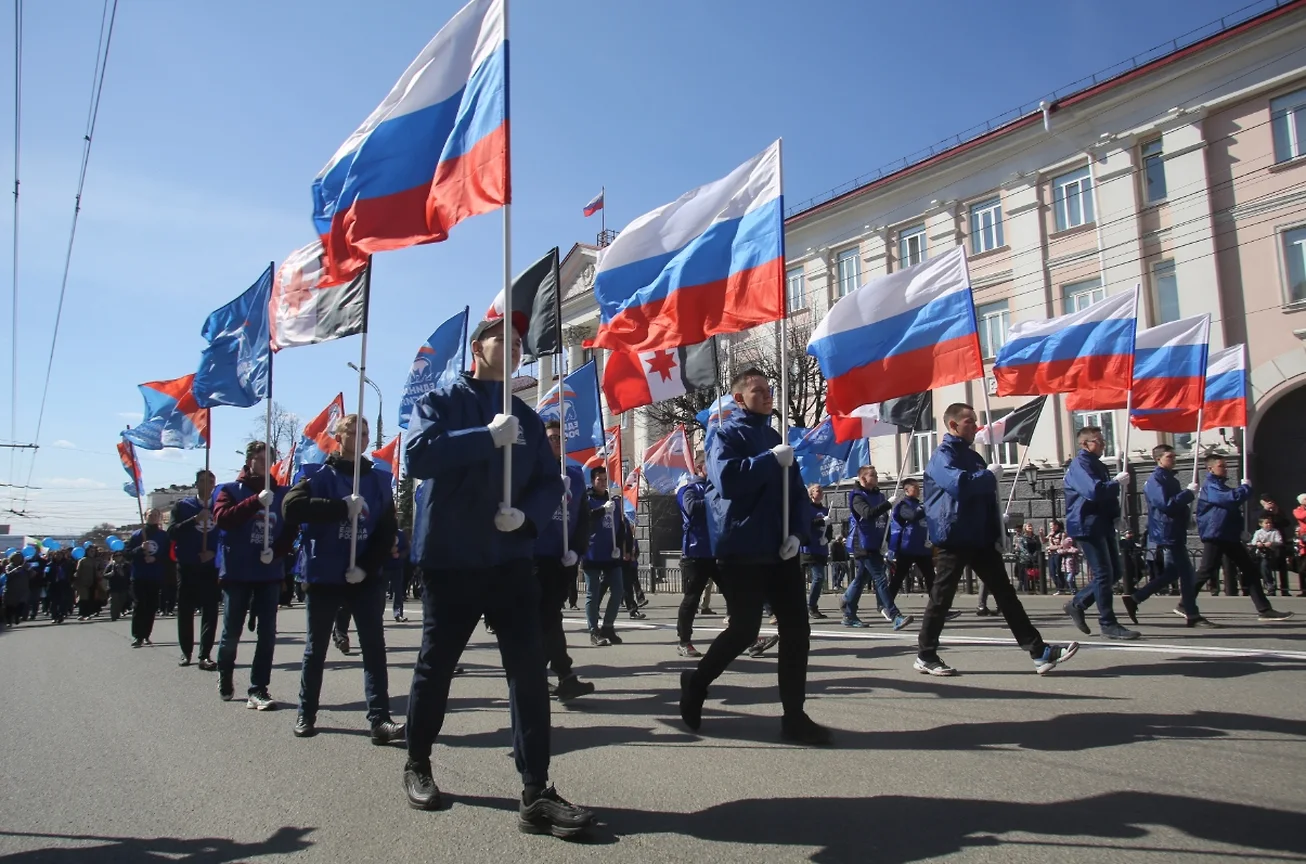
(342, 620)
(987, 564)
(695, 575)
(553, 579)
(630, 586)
(747, 586)
(145, 608)
(1214, 553)
(197, 590)
(902, 569)
(453, 601)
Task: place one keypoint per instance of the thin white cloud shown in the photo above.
(169, 455)
(130, 415)
(64, 444)
(75, 483)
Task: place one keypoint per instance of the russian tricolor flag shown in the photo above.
(433, 153)
(909, 331)
(595, 205)
(1225, 399)
(1089, 353)
(710, 262)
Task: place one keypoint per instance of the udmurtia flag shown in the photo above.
(303, 312)
(632, 380)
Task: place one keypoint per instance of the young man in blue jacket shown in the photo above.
(1220, 525)
(1168, 508)
(697, 563)
(196, 544)
(868, 522)
(815, 553)
(747, 461)
(1092, 507)
(907, 536)
(251, 580)
(326, 510)
(601, 562)
(477, 554)
(965, 526)
(149, 549)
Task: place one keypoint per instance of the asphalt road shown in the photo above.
(1187, 746)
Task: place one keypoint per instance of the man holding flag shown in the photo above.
(197, 573)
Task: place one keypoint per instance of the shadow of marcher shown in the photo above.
(131, 850)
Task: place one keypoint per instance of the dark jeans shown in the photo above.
(398, 588)
(117, 603)
(747, 586)
(1175, 567)
(259, 599)
(816, 571)
(453, 601)
(168, 594)
(341, 621)
(15, 612)
(553, 579)
(1102, 554)
(695, 574)
(197, 590)
(630, 586)
(1214, 552)
(146, 607)
(61, 601)
(322, 607)
(901, 572)
(987, 564)
(869, 569)
(598, 580)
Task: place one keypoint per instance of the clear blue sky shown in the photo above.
(216, 117)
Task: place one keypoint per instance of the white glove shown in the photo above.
(1246, 482)
(354, 575)
(610, 504)
(1122, 478)
(616, 553)
(1193, 487)
(789, 548)
(354, 503)
(265, 556)
(503, 429)
(509, 519)
(995, 469)
(566, 483)
(265, 498)
(784, 454)
(570, 559)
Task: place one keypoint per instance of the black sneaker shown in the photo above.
(952, 615)
(688, 650)
(610, 633)
(1115, 631)
(1203, 623)
(550, 813)
(1077, 615)
(598, 640)
(802, 729)
(935, 667)
(571, 687)
(259, 700)
(135, 644)
(207, 665)
(815, 614)
(637, 615)
(642, 601)
(1273, 615)
(184, 661)
(305, 727)
(420, 786)
(341, 641)
(388, 732)
(691, 701)
(1131, 607)
(983, 611)
(226, 687)
(762, 645)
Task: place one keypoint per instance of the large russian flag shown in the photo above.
(433, 153)
(1089, 352)
(1225, 398)
(710, 262)
(1169, 369)
(909, 331)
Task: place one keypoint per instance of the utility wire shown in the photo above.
(13, 315)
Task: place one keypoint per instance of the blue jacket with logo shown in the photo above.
(1092, 498)
(549, 543)
(187, 533)
(316, 504)
(868, 517)
(448, 443)
(816, 549)
(907, 529)
(961, 498)
(153, 542)
(392, 563)
(696, 540)
(1167, 508)
(744, 495)
(1220, 510)
(241, 520)
(607, 532)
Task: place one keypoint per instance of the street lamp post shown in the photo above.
(380, 410)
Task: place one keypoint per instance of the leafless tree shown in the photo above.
(286, 427)
(806, 383)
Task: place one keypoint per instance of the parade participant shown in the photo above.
(907, 538)
(697, 564)
(87, 583)
(1220, 525)
(120, 585)
(757, 554)
(250, 580)
(197, 572)
(555, 570)
(602, 561)
(325, 507)
(868, 520)
(476, 560)
(17, 590)
(1092, 507)
(1167, 530)
(815, 553)
(396, 574)
(148, 547)
(59, 585)
(965, 527)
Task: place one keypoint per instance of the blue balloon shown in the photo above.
(78, 553)
(86, 545)
(50, 544)
(29, 552)
(10, 551)
(116, 544)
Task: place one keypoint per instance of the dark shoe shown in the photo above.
(815, 614)
(252, 624)
(688, 650)
(598, 640)
(420, 786)
(184, 661)
(1115, 631)
(983, 611)
(207, 665)
(1077, 615)
(1199, 621)
(641, 602)
(707, 610)
(571, 687)
(762, 645)
(637, 615)
(259, 700)
(136, 644)
(341, 641)
(1131, 607)
(388, 732)
(610, 633)
(952, 615)
(934, 666)
(804, 730)
(1054, 654)
(305, 727)
(550, 813)
(1273, 615)
(226, 687)
(691, 701)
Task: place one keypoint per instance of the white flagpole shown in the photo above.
(508, 330)
(362, 378)
(1197, 440)
(1024, 457)
(562, 431)
(266, 555)
(784, 361)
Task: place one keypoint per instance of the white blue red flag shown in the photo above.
(669, 461)
(909, 331)
(433, 153)
(574, 403)
(1169, 369)
(595, 205)
(1225, 401)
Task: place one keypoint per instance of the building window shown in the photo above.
(986, 226)
(1153, 172)
(1074, 199)
(850, 271)
(795, 288)
(1288, 117)
(994, 322)
(911, 246)
(586, 355)
(1008, 452)
(1081, 295)
(1104, 420)
(923, 444)
(1294, 255)
(1165, 293)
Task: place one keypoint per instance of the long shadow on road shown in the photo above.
(128, 850)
